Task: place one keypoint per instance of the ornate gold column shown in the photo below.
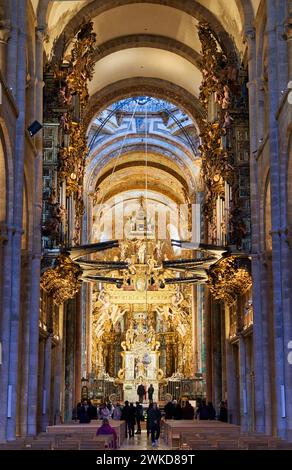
(78, 345)
(195, 336)
(168, 347)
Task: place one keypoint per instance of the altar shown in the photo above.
(142, 333)
(140, 359)
(140, 369)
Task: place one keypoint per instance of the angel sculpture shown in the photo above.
(226, 98)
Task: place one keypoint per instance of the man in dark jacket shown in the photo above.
(128, 418)
(154, 418)
(177, 411)
(223, 414)
(84, 413)
(212, 411)
(141, 392)
(188, 411)
(139, 416)
(168, 410)
(150, 393)
(203, 411)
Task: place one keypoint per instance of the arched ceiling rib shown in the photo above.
(149, 40)
(146, 18)
(139, 42)
(148, 86)
(145, 62)
(141, 164)
(158, 179)
(160, 154)
(228, 18)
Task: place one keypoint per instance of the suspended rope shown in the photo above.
(146, 197)
(118, 157)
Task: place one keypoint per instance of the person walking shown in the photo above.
(139, 416)
(132, 420)
(154, 418)
(126, 416)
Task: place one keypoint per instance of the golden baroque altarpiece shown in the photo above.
(142, 329)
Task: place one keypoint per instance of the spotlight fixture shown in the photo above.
(34, 128)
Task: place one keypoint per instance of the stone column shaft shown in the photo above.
(5, 332)
(12, 48)
(232, 399)
(58, 392)
(256, 269)
(46, 398)
(18, 203)
(288, 35)
(4, 36)
(78, 344)
(35, 282)
(243, 385)
(276, 216)
(23, 395)
(208, 342)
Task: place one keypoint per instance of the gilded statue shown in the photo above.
(99, 354)
(177, 298)
(130, 334)
(151, 339)
(141, 251)
(140, 369)
(104, 298)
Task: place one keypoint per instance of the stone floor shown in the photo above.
(141, 442)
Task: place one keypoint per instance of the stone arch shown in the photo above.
(267, 215)
(3, 196)
(6, 167)
(29, 96)
(148, 40)
(261, 50)
(43, 9)
(179, 156)
(137, 86)
(289, 181)
(246, 12)
(191, 7)
(25, 216)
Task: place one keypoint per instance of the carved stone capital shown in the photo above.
(3, 233)
(261, 83)
(42, 33)
(249, 33)
(288, 28)
(5, 29)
